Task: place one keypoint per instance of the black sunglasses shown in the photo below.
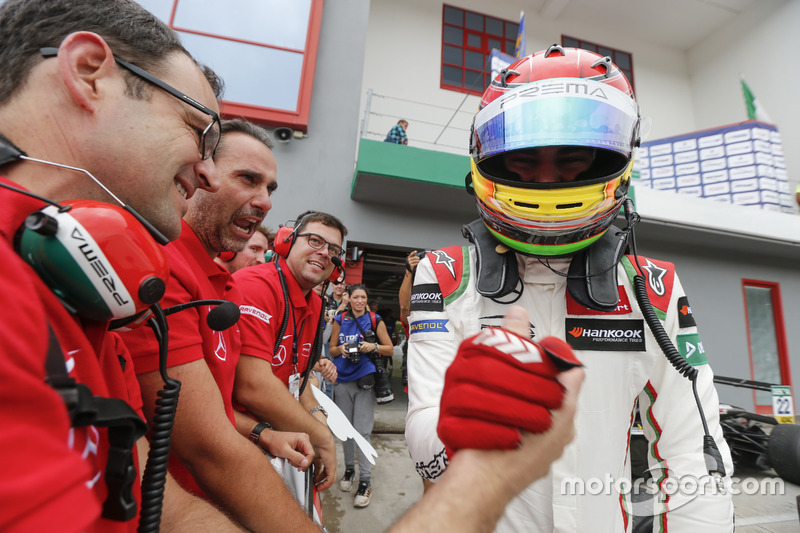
(209, 137)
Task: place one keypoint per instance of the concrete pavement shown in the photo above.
(395, 484)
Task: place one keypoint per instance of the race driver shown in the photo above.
(551, 160)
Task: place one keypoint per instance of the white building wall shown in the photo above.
(762, 44)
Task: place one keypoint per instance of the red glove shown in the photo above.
(498, 385)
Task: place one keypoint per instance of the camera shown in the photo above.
(383, 390)
(353, 354)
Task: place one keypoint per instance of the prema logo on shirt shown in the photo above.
(605, 335)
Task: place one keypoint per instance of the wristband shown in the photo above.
(318, 408)
(255, 434)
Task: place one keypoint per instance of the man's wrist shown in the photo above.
(318, 408)
(255, 433)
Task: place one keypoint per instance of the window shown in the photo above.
(624, 60)
(264, 50)
(766, 339)
(467, 40)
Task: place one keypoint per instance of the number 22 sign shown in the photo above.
(782, 406)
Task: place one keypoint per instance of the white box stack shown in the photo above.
(741, 164)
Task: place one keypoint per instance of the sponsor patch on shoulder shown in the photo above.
(605, 334)
(431, 329)
(427, 297)
(685, 316)
(691, 348)
(256, 312)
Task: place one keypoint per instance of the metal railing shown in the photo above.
(430, 126)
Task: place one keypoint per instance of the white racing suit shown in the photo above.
(588, 488)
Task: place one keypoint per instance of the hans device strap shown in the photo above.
(497, 274)
(592, 275)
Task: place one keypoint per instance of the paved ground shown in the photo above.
(396, 486)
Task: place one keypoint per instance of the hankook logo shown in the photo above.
(427, 297)
(605, 334)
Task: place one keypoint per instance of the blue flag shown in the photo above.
(519, 49)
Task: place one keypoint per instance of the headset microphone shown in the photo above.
(223, 316)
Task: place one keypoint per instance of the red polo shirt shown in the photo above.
(43, 485)
(263, 307)
(193, 276)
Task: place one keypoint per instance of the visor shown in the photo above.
(557, 112)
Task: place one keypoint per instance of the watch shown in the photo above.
(255, 434)
(318, 408)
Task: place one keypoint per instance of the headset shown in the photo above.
(285, 238)
(103, 261)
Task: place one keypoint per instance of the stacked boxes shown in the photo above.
(741, 164)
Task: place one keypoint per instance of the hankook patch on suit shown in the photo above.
(605, 334)
(427, 297)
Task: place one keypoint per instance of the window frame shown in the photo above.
(297, 119)
(780, 336)
(469, 83)
(589, 45)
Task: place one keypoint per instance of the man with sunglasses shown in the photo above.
(279, 324)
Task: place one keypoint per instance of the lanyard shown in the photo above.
(286, 305)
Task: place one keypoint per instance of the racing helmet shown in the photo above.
(574, 109)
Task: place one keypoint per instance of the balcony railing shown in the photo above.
(430, 126)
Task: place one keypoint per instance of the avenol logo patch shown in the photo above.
(427, 297)
(685, 316)
(623, 306)
(605, 335)
(429, 326)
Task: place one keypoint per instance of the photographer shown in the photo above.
(357, 338)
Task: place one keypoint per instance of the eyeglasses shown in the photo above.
(209, 137)
(318, 243)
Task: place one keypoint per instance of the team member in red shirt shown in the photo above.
(66, 98)
(209, 456)
(268, 379)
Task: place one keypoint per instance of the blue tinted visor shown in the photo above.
(557, 112)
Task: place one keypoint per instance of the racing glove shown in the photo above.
(499, 385)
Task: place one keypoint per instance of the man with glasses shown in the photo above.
(69, 102)
(280, 322)
(209, 457)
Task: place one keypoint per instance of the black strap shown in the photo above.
(592, 275)
(497, 274)
(372, 329)
(124, 429)
(316, 349)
